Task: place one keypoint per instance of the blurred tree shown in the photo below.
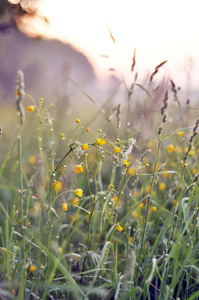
(11, 12)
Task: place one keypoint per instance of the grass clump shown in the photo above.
(100, 214)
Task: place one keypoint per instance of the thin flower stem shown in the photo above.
(49, 196)
(22, 289)
(148, 204)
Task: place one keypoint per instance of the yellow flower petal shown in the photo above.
(31, 108)
(32, 269)
(170, 148)
(31, 159)
(118, 227)
(79, 192)
(75, 201)
(117, 149)
(162, 186)
(131, 171)
(78, 169)
(134, 214)
(154, 208)
(57, 186)
(64, 206)
(100, 142)
(126, 163)
(85, 146)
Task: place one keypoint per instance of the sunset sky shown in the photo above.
(159, 30)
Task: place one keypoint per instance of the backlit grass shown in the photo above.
(101, 208)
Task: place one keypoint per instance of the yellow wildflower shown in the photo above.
(165, 175)
(147, 165)
(115, 198)
(57, 186)
(118, 227)
(100, 142)
(136, 193)
(62, 136)
(147, 189)
(162, 186)
(131, 171)
(192, 152)
(154, 208)
(141, 205)
(31, 159)
(79, 192)
(134, 214)
(117, 149)
(77, 121)
(194, 171)
(131, 239)
(75, 201)
(85, 146)
(60, 250)
(4, 250)
(126, 163)
(175, 202)
(151, 144)
(78, 169)
(64, 206)
(170, 148)
(32, 269)
(30, 108)
(180, 133)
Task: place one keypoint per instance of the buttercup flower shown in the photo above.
(134, 214)
(78, 169)
(75, 201)
(118, 227)
(85, 146)
(162, 186)
(57, 186)
(31, 159)
(180, 133)
(147, 189)
(79, 192)
(117, 149)
(170, 148)
(64, 206)
(31, 108)
(131, 171)
(100, 142)
(32, 269)
(126, 163)
(115, 198)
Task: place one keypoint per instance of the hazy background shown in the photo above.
(93, 42)
(159, 30)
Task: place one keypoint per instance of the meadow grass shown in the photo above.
(103, 210)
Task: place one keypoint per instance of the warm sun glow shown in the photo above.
(159, 30)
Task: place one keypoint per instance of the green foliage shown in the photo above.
(100, 212)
